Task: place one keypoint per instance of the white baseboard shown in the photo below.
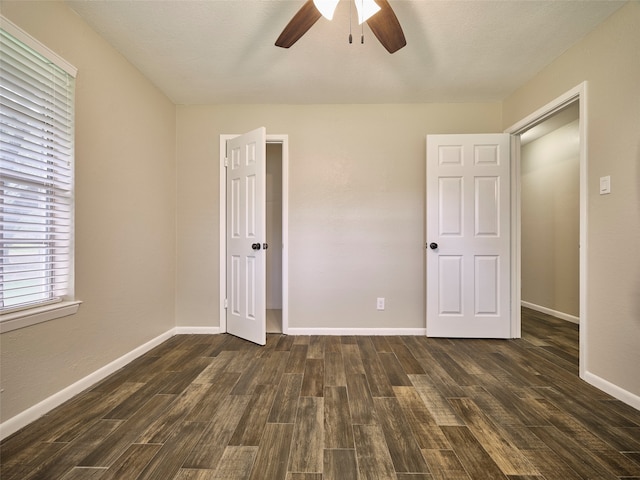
(548, 311)
(358, 331)
(24, 418)
(197, 330)
(613, 390)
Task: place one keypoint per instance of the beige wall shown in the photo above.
(356, 197)
(356, 206)
(609, 60)
(550, 193)
(125, 217)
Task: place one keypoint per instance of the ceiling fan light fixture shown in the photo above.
(366, 9)
(326, 7)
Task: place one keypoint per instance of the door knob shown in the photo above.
(433, 246)
(255, 246)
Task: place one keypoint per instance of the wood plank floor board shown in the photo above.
(493, 438)
(56, 464)
(84, 473)
(550, 465)
(352, 359)
(77, 417)
(374, 459)
(338, 429)
(435, 402)
(333, 344)
(505, 406)
(272, 457)
(127, 432)
(586, 463)
(572, 427)
(381, 344)
(220, 429)
(173, 453)
(581, 408)
(202, 407)
(297, 357)
(410, 364)
(402, 445)
(214, 368)
(285, 404)
(395, 373)
(334, 371)
(30, 458)
(132, 403)
(500, 410)
(622, 439)
(304, 476)
(307, 445)
(316, 346)
(236, 463)
(285, 343)
(253, 421)
(273, 368)
(167, 421)
(360, 400)
(474, 458)
(414, 476)
(194, 474)
(460, 376)
(438, 377)
(248, 380)
(216, 393)
(379, 384)
(313, 379)
(422, 424)
(444, 464)
(340, 464)
(132, 462)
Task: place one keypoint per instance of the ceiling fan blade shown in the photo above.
(302, 21)
(386, 27)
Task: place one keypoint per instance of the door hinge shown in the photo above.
(226, 162)
(226, 303)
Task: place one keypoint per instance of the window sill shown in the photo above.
(33, 316)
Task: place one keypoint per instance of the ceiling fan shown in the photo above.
(378, 14)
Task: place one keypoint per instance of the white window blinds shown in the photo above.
(36, 175)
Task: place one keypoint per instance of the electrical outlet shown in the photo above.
(380, 303)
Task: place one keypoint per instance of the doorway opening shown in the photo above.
(550, 210)
(274, 237)
(277, 226)
(550, 215)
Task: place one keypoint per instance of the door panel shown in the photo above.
(468, 273)
(246, 232)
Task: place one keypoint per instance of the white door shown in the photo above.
(468, 236)
(246, 236)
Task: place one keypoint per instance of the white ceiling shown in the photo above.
(222, 51)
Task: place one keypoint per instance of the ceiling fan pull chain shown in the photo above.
(362, 33)
(350, 36)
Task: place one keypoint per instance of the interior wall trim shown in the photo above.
(358, 331)
(31, 414)
(613, 390)
(197, 330)
(539, 308)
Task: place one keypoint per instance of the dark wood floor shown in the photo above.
(343, 408)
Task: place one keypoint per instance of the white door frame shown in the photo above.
(284, 140)
(579, 94)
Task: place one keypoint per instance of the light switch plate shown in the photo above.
(605, 185)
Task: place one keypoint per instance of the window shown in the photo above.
(36, 173)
